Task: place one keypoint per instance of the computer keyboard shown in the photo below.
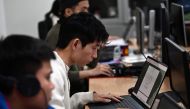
(127, 102)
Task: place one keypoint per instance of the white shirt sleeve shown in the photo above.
(57, 99)
(80, 99)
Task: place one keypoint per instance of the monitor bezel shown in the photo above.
(181, 39)
(186, 69)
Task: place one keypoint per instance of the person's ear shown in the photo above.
(76, 43)
(68, 12)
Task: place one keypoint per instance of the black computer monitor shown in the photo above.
(177, 24)
(179, 71)
(140, 23)
(153, 4)
(165, 29)
(148, 3)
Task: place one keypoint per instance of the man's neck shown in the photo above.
(65, 56)
(14, 102)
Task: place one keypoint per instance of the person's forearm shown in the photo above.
(85, 74)
(80, 99)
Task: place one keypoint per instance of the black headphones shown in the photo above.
(27, 85)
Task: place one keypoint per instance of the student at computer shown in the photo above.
(24, 73)
(66, 9)
(76, 47)
(77, 76)
(51, 19)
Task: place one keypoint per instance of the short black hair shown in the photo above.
(21, 55)
(63, 4)
(55, 8)
(83, 26)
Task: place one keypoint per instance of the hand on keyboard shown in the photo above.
(106, 98)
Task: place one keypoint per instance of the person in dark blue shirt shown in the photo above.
(24, 73)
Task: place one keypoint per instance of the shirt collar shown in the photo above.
(61, 61)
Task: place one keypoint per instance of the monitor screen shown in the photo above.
(179, 70)
(177, 24)
(149, 81)
(140, 23)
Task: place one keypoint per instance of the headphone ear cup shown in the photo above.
(28, 86)
(7, 83)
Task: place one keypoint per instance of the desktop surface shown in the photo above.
(118, 85)
(114, 85)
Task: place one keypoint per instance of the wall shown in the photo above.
(2, 20)
(22, 16)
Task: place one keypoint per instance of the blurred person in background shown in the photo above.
(25, 73)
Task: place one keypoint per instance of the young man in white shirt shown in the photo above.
(81, 35)
(77, 75)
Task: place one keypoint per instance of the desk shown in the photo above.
(115, 85)
(118, 85)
